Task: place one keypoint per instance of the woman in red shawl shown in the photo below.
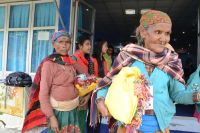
(89, 64)
(54, 99)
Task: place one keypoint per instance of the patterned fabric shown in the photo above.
(149, 68)
(35, 117)
(38, 130)
(167, 61)
(152, 17)
(58, 34)
(90, 64)
(87, 62)
(149, 18)
(68, 121)
(82, 117)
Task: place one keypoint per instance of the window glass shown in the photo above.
(41, 47)
(45, 14)
(19, 16)
(16, 54)
(84, 17)
(2, 16)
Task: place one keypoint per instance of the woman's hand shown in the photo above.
(84, 100)
(54, 124)
(102, 107)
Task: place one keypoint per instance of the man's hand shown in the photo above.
(54, 124)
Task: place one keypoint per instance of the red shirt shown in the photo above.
(82, 61)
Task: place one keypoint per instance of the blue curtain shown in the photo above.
(17, 40)
(16, 55)
(1, 49)
(19, 16)
(45, 14)
(40, 49)
(2, 16)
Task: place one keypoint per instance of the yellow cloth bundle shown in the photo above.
(120, 99)
(83, 91)
(85, 84)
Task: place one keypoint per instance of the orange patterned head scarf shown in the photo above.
(149, 18)
(152, 17)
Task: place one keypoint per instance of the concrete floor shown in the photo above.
(5, 130)
(179, 124)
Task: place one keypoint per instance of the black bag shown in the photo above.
(19, 79)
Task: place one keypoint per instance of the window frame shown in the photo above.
(77, 29)
(30, 29)
(39, 28)
(17, 29)
(2, 72)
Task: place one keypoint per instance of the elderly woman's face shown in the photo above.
(62, 45)
(156, 36)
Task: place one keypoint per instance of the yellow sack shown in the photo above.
(120, 99)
